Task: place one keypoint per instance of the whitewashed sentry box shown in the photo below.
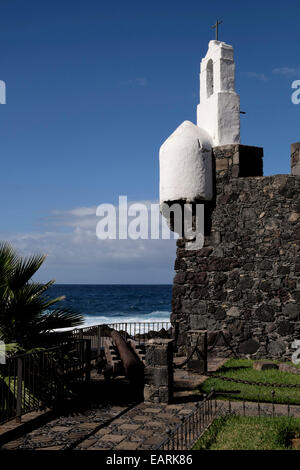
(219, 110)
(186, 156)
(186, 165)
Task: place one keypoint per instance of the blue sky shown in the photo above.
(94, 88)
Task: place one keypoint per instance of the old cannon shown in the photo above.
(123, 358)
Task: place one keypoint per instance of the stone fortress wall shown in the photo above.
(243, 286)
(245, 281)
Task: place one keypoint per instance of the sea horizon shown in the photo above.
(104, 284)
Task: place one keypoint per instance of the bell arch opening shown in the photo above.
(210, 78)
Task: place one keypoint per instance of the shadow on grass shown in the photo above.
(231, 369)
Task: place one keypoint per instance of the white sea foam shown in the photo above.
(158, 316)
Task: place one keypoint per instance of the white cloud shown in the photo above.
(258, 76)
(287, 71)
(84, 217)
(81, 211)
(78, 256)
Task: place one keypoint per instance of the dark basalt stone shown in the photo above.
(265, 313)
(250, 260)
(249, 347)
(292, 310)
(285, 328)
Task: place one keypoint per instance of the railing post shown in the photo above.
(98, 341)
(204, 410)
(273, 406)
(180, 429)
(197, 418)
(19, 389)
(168, 432)
(58, 373)
(88, 360)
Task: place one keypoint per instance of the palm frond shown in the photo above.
(25, 269)
(60, 318)
(27, 316)
(8, 261)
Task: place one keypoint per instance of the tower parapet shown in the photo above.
(295, 158)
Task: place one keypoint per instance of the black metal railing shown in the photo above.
(139, 331)
(40, 379)
(192, 426)
(259, 408)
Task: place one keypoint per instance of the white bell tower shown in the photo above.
(219, 110)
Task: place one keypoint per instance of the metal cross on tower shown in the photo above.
(217, 28)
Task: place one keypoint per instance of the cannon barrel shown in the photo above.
(132, 365)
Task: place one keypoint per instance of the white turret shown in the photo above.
(186, 165)
(219, 110)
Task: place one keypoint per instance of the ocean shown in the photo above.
(116, 303)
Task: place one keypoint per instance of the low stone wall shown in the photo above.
(245, 281)
(158, 386)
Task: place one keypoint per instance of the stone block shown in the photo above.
(289, 368)
(295, 158)
(157, 355)
(265, 313)
(197, 360)
(285, 328)
(249, 346)
(157, 375)
(264, 365)
(294, 217)
(233, 312)
(198, 322)
(221, 164)
(235, 171)
(292, 311)
(165, 394)
(150, 393)
(276, 348)
(236, 158)
(247, 160)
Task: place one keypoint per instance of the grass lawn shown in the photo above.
(243, 369)
(249, 433)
